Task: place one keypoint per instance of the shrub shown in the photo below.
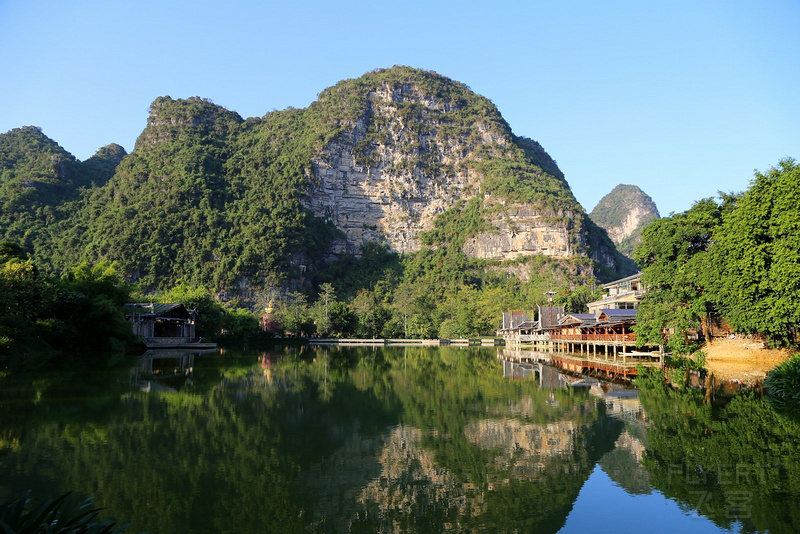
(62, 514)
(783, 382)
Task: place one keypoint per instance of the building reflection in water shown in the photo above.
(163, 370)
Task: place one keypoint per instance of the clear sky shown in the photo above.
(682, 98)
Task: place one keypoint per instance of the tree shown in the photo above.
(294, 314)
(757, 258)
(21, 299)
(342, 320)
(575, 300)
(210, 314)
(10, 250)
(327, 296)
(673, 257)
(371, 315)
(84, 310)
(87, 309)
(241, 323)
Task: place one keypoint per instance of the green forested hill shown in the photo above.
(40, 184)
(36, 177)
(211, 199)
(205, 197)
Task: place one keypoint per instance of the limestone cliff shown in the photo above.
(623, 213)
(417, 145)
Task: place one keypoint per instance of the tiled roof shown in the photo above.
(627, 278)
(526, 325)
(584, 318)
(150, 309)
(619, 313)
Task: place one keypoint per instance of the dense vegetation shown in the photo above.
(737, 259)
(783, 383)
(40, 182)
(81, 311)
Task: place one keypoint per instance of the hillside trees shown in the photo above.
(82, 310)
(673, 256)
(206, 198)
(739, 259)
(756, 260)
(161, 216)
(294, 315)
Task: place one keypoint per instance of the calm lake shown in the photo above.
(392, 439)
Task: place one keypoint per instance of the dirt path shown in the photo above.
(742, 359)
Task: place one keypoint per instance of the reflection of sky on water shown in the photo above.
(603, 506)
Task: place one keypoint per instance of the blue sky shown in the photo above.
(680, 98)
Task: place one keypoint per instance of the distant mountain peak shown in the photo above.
(623, 213)
(192, 119)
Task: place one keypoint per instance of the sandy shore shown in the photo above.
(742, 359)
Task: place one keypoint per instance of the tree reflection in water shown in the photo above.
(366, 439)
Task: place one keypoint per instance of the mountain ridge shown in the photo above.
(236, 203)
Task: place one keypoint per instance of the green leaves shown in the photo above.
(81, 311)
(757, 258)
(62, 514)
(739, 259)
(673, 256)
(783, 383)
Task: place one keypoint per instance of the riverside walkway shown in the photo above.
(486, 342)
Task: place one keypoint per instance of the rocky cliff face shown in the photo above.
(623, 213)
(395, 168)
(374, 203)
(525, 231)
(414, 151)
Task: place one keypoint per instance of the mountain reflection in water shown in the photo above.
(390, 439)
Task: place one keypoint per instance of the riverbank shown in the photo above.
(742, 360)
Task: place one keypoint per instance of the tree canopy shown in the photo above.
(756, 261)
(738, 258)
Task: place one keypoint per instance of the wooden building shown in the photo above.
(519, 328)
(608, 324)
(163, 325)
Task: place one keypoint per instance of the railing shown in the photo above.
(594, 337)
(526, 338)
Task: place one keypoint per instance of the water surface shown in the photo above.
(392, 439)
